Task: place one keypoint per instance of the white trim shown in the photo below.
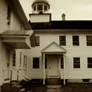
(63, 50)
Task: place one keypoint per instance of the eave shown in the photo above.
(16, 41)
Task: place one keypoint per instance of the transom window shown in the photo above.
(62, 40)
(75, 40)
(89, 40)
(90, 62)
(76, 62)
(35, 62)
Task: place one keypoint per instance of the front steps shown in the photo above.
(53, 81)
(54, 88)
(53, 85)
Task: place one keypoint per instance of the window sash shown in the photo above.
(62, 62)
(76, 62)
(35, 62)
(75, 40)
(40, 7)
(37, 40)
(89, 62)
(89, 40)
(14, 59)
(62, 40)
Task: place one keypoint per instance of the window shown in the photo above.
(14, 58)
(20, 58)
(35, 62)
(62, 40)
(62, 62)
(89, 40)
(25, 61)
(76, 62)
(45, 7)
(37, 40)
(45, 62)
(75, 40)
(89, 62)
(39, 7)
(34, 8)
(8, 15)
(85, 80)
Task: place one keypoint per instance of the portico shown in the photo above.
(51, 58)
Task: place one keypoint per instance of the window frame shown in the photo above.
(89, 66)
(41, 7)
(76, 64)
(38, 63)
(75, 42)
(14, 58)
(62, 62)
(61, 40)
(87, 41)
(37, 40)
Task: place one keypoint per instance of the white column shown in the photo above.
(43, 60)
(60, 66)
(64, 68)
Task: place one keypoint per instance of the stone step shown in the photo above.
(53, 81)
(54, 88)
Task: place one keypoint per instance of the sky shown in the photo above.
(74, 9)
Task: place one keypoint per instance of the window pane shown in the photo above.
(45, 7)
(76, 40)
(34, 8)
(39, 7)
(37, 40)
(14, 59)
(45, 62)
(35, 62)
(25, 61)
(76, 62)
(62, 62)
(62, 40)
(89, 40)
(89, 62)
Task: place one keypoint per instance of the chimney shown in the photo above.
(63, 17)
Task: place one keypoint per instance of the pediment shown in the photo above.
(53, 48)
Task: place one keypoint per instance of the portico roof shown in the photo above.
(17, 39)
(53, 48)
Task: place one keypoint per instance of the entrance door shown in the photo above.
(52, 66)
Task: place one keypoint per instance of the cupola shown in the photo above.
(40, 6)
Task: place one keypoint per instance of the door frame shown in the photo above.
(58, 65)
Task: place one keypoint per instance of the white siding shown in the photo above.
(81, 51)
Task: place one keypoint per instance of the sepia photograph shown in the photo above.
(45, 45)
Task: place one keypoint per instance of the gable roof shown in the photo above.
(17, 8)
(53, 48)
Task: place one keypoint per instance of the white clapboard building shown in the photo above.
(61, 49)
(15, 34)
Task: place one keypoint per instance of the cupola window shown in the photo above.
(45, 8)
(39, 7)
(34, 8)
